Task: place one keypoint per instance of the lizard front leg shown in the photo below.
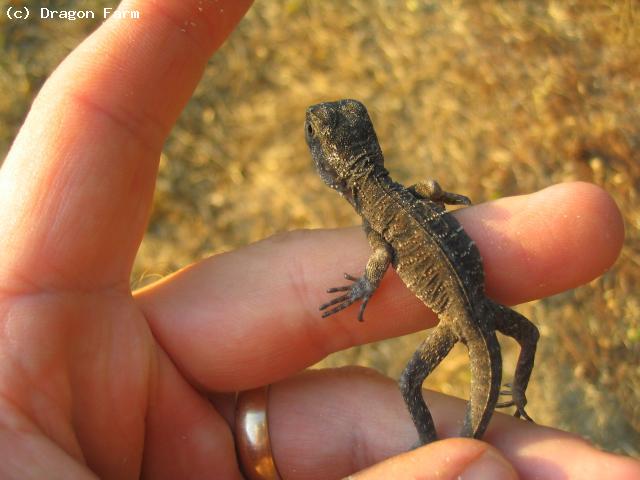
(362, 288)
(432, 191)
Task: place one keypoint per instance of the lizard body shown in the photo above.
(410, 229)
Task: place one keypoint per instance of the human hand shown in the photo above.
(97, 381)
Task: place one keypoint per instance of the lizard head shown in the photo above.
(342, 141)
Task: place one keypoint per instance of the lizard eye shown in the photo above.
(309, 130)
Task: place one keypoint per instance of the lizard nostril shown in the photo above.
(309, 129)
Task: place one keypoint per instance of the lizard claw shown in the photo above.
(360, 289)
(505, 393)
(521, 412)
(517, 400)
(456, 199)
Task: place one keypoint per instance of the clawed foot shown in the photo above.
(517, 400)
(432, 191)
(505, 393)
(455, 199)
(360, 289)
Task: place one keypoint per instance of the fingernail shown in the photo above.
(489, 466)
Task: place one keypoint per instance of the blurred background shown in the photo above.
(489, 98)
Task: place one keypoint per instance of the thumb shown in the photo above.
(454, 458)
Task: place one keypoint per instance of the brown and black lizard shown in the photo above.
(410, 229)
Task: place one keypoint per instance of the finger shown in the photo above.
(76, 187)
(332, 423)
(29, 453)
(339, 299)
(346, 288)
(335, 310)
(184, 435)
(541, 244)
(250, 317)
(365, 301)
(451, 459)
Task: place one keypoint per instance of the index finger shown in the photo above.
(77, 185)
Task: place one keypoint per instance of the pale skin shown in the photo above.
(99, 381)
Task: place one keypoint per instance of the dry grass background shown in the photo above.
(490, 98)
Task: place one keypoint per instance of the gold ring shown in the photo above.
(252, 435)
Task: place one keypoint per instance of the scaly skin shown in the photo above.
(432, 254)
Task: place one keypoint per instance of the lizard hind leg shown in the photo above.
(426, 358)
(511, 323)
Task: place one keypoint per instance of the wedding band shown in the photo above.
(252, 435)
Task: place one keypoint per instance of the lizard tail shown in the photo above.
(486, 374)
